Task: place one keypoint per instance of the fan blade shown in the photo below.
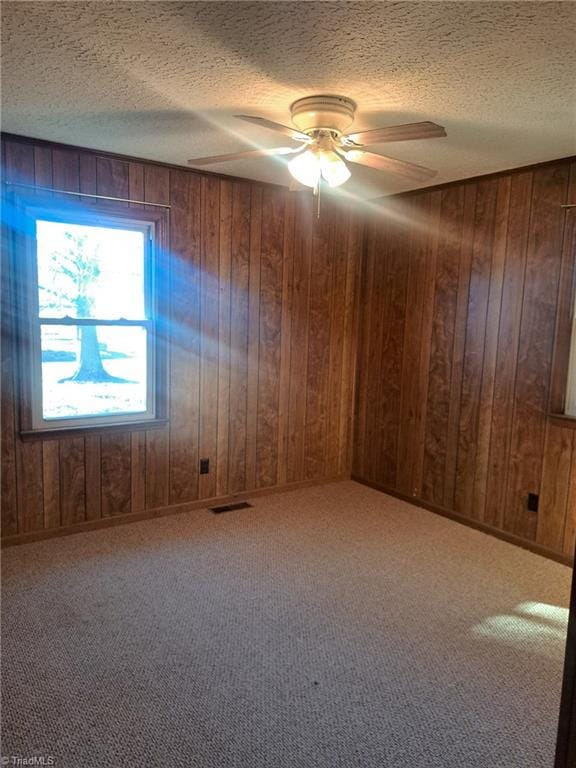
(292, 132)
(408, 132)
(243, 155)
(390, 164)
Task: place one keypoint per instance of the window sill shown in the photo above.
(86, 431)
(562, 420)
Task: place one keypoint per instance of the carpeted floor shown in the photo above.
(330, 627)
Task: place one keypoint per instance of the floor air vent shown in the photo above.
(230, 507)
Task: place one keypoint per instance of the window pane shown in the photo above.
(93, 371)
(86, 271)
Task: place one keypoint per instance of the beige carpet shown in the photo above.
(331, 627)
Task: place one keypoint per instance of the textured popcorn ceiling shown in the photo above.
(161, 80)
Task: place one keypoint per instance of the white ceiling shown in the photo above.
(161, 80)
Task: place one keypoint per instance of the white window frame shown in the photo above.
(30, 322)
(570, 401)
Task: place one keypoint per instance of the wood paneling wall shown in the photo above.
(459, 297)
(262, 350)
(454, 315)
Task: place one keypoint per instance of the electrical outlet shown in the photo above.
(204, 466)
(533, 500)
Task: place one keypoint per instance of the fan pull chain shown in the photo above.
(316, 193)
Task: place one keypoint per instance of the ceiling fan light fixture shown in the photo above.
(284, 150)
(334, 170)
(305, 168)
(326, 148)
(353, 155)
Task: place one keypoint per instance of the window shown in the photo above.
(562, 404)
(570, 407)
(90, 303)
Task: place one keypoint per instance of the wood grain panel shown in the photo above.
(317, 367)
(51, 483)
(138, 471)
(441, 346)
(135, 182)
(285, 331)
(473, 365)
(253, 336)
(378, 311)
(210, 207)
(569, 543)
(66, 170)
(112, 177)
(491, 348)
(537, 326)
(88, 176)
(459, 344)
(389, 390)
(507, 351)
(269, 339)
(337, 339)
(184, 335)
(94, 471)
(365, 336)
(415, 362)
(354, 241)
(431, 226)
(29, 469)
(115, 474)
(223, 419)
(239, 306)
(299, 336)
(555, 488)
(502, 268)
(43, 166)
(72, 480)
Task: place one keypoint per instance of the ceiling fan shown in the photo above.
(324, 149)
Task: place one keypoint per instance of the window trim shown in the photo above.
(28, 210)
(565, 323)
(571, 368)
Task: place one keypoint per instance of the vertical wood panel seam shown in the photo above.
(466, 338)
(497, 330)
(512, 416)
(331, 327)
(349, 377)
(229, 292)
(435, 211)
(462, 260)
(483, 373)
(564, 229)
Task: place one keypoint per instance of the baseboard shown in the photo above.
(172, 509)
(477, 525)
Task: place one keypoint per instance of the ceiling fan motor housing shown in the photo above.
(329, 113)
